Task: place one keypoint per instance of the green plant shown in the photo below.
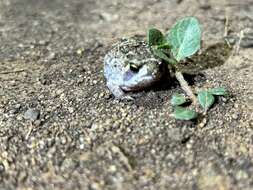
(178, 99)
(206, 97)
(180, 42)
(184, 113)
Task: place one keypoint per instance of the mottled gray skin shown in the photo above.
(130, 66)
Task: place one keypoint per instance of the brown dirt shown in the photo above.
(51, 55)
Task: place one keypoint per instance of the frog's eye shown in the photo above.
(134, 68)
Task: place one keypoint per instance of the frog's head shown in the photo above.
(138, 75)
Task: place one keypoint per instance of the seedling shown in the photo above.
(178, 99)
(206, 100)
(184, 113)
(181, 42)
(206, 97)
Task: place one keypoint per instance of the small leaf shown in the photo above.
(184, 38)
(184, 113)
(178, 99)
(164, 46)
(206, 99)
(218, 91)
(159, 53)
(155, 37)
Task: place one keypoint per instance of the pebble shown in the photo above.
(224, 99)
(112, 168)
(235, 116)
(63, 140)
(32, 114)
(80, 51)
(17, 106)
(42, 42)
(51, 56)
(2, 168)
(203, 123)
(37, 123)
(236, 105)
(15, 109)
(71, 110)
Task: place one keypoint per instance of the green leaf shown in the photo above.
(155, 37)
(206, 99)
(159, 53)
(184, 113)
(164, 46)
(184, 38)
(218, 91)
(178, 99)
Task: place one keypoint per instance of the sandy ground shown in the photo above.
(60, 127)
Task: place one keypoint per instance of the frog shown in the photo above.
(130, 66)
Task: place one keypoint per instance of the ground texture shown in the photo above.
(60, 127)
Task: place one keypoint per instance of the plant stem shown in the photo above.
(185, 86)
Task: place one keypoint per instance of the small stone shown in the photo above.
(236, 105)
(203, 123)
(81, 146)
(95, 186)
(235, 116)
(112, 168)
(101, 95)
(42, 42)
(59, 91)
(71, 110)
(15, 109)
(224, 99)
(37, 123)
(189, 146)
(51, 56)
(21, 45)
(80, 51)
(17, 106)
(32, 114)
(2, 168)
(109, 17)
(63, 140)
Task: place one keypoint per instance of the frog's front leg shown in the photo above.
(118, 92)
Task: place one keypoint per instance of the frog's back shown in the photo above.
(126, 51)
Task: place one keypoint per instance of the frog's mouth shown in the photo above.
(139, 79)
